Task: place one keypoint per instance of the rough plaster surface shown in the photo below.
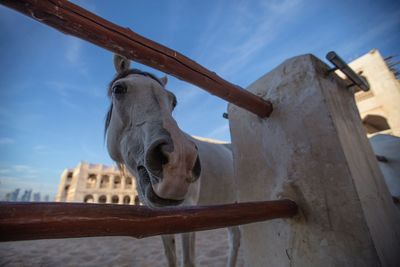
(313, 150)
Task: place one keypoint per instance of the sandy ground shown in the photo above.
(211, 250)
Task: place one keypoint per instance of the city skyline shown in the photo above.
(28, 196)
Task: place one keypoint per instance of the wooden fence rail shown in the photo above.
(30, 221)
(74, 20)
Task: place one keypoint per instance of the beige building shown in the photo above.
(96, 183)
(380, 106)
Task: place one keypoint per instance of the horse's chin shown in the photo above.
(150, 197)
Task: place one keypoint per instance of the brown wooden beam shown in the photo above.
(30, 221)
(74, 20)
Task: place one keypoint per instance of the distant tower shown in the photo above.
(26, 197)
(36, 197)
(14, 195)
(46, 198)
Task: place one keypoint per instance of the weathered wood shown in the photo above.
(74, 20)
(30, 221)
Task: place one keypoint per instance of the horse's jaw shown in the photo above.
(147, 193)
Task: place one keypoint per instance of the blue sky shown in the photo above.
(53, 86)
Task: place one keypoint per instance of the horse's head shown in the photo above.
(143, 136)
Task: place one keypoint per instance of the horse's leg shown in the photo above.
(234, 243)
(188, 250)
(169, 249)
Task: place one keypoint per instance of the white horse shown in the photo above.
(387, 149)
(171, 167)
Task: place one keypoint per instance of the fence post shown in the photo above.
(313, 150)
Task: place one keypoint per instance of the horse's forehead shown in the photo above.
(143, 83)
(138, 79)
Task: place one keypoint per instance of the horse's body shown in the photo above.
(388, 147)
(215, 186)
(171, 167)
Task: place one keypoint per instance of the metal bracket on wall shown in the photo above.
(341, 65)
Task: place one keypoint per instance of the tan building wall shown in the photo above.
(96, 183)
(380, 107)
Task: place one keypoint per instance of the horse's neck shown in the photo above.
(216, 183)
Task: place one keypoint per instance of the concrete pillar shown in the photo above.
(313, 149)
(110, 182)
(122, 182)
(98, 181)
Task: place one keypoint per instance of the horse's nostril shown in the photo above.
(157, 156)
(196, 169)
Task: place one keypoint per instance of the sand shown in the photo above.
(211, 250)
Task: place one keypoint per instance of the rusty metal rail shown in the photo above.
(74, 20)
(30, 221)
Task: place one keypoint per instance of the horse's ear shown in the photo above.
(121, 63)
(164, 80)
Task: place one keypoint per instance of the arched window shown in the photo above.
(88, 199)
(137, 201)
(117, 181)
(91, 181)
(102, 199)
(375, 124)
(105, 181)
(65, 192)
(115, 199)
(128, 183)
(127, 200)
(69, 176)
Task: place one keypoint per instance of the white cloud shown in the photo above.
(186, 92)
(39, 148)
(19, 120)
(25, 171)
(69, 91)
(174, 11)
(73, 54)
(280, 6)
(6, 141)
(275, 15)
(65, 89)
(21, 168)
(219, 132)
(22, 171)
(231, 46)
(4, 171)
(383, 29)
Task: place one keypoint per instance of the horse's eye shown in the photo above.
(118, 89)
